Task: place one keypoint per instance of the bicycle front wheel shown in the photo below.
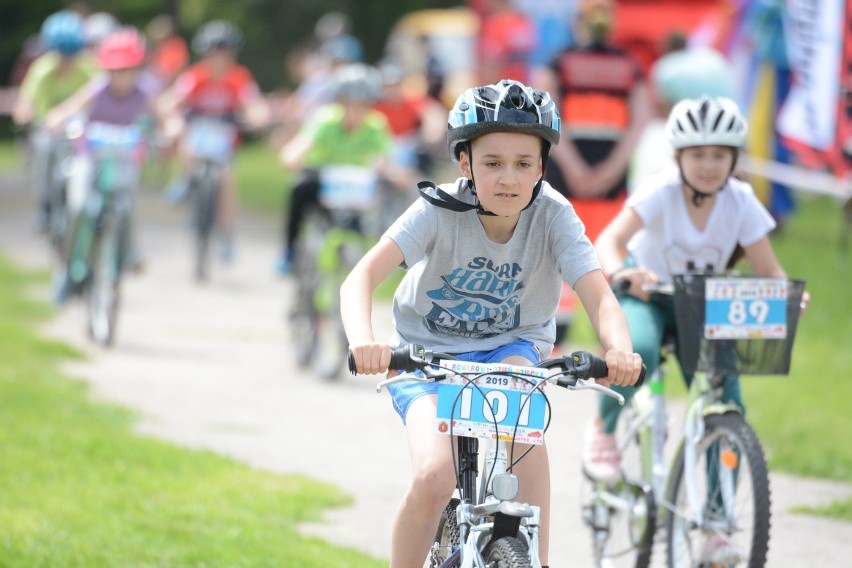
(507, 552)
(205, 189)
(104, 283)
(732, 484)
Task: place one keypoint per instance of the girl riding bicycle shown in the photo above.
(486, 257)
(696, 214)
(116, 97)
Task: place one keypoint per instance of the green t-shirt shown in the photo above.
(46, 87)
(334, 145)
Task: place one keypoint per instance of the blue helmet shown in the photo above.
(64, 32)
(507, 106)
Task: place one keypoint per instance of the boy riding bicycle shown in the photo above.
(486, 257)
(694, 214)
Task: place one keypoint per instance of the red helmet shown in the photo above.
(122, 49)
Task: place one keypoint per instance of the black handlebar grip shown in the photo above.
(351, 362)
(621, 286)
(401, 359)
(599, 370)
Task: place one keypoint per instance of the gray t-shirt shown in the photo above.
(463, 292)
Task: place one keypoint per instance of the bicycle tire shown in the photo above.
(205, 206)
(507, 552)
(447, 540)
(332, 347)
(748, 494)
(304, 318)
(332, 344)
(104, 282)
(636, 489)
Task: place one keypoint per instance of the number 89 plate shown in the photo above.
(745, 308)
(475, 396)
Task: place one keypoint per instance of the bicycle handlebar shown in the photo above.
(577, 370)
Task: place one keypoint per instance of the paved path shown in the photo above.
(211, 367)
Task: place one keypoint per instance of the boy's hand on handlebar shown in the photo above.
(371, 358)
(624, 368)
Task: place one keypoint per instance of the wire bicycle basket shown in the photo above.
(736, 324)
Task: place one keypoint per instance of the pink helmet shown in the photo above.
(122, 49)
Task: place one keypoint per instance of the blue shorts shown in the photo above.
(403, 394)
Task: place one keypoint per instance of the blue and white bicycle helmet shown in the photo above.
(64, 32)
(507, 106)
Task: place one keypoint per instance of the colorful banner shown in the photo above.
(813, 33)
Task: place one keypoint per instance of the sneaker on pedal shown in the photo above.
(601, 460)
(718, 552)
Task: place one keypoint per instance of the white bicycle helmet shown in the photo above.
(706, 122)
(358, 82)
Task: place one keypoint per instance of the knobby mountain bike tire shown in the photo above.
(507, 552)
(446, 545)
(104, 287)
(732, 476)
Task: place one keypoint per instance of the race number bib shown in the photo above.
(745, 308)
(476, 396)
(211, 138)
(348, 187)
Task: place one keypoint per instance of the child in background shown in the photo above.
(694, 213)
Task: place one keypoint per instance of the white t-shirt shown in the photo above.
(668, 240)
(464, 292)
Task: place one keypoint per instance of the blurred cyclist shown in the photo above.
(51, 79)
(117, 97)
(347, 132)
(217, 87)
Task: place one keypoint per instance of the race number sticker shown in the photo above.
(475, 396)
(745, 308)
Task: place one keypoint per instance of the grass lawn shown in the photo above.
(78, 488)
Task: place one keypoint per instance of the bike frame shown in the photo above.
(704, 401)
(492, 514)
(478, 521)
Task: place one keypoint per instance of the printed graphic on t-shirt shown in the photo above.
(479, 300)
(703, 259)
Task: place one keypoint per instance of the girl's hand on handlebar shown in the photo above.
(635, 279)
(624, 368)
(806, 299)
(371, 358)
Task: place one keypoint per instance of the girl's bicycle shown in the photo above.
(501, 404)
(101, 247)
(710, 504)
